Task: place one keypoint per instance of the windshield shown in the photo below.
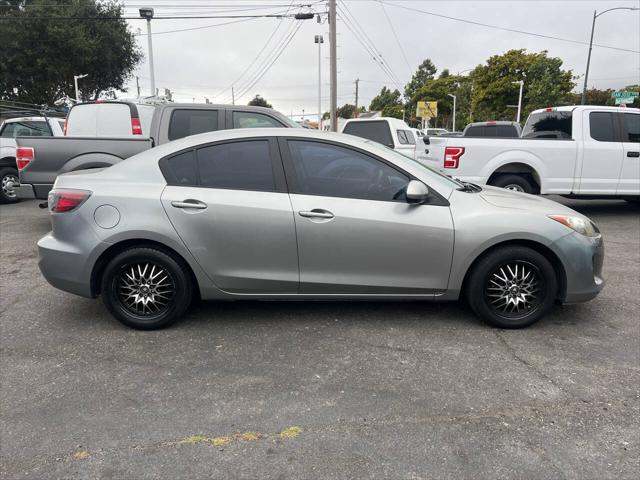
(452, 182)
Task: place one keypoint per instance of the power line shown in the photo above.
(197, 28)
(506, 29)
(393, 30)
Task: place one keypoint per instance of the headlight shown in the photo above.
(578, 224)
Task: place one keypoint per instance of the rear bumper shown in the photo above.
(27, 190)
(68, 267)
(582, 258)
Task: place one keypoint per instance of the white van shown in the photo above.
(388, 131)
(109, 119)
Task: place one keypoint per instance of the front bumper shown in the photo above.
(582, 258)
(27, 191)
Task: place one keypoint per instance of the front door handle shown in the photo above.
(316, 213)
(633, 154)
(189, 203)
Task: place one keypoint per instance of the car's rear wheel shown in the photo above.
(512, 287)
(517, 183)
(8, 180)
(146, 288)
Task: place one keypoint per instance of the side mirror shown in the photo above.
(426, 141)
(417, 192)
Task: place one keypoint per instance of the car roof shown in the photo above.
(26, 119)
(492, 123)
(570, 108)
(394, 122)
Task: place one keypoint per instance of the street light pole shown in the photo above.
(521, 82)
(75, 82)
(319, 40)
(147, 13)
(593, 27)
(333, 66)
(453, 123)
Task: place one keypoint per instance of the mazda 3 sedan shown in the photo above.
(274, 214)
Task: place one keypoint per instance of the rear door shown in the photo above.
(229, 204)
(629, 183)
(602, 154)
(179, 122)
(356, 232)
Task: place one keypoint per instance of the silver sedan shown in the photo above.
(273, 214)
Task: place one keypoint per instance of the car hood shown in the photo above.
(500, 197)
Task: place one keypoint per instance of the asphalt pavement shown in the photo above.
(297, 390)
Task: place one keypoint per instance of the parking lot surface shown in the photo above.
(318, 390)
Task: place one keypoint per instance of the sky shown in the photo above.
(205, 62)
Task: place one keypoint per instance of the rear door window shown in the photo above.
(181, 169)
(377, 130)
(254, 120)
(548, 125)
(26, 129)
(601, 127)
(242, 165)
(631, 123)
(406, 137)
(185, 122)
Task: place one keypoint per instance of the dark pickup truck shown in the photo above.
(100, 136)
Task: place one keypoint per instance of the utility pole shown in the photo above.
(233, 96)
(147, 14)
(75, 82)
(333, 66)
(319, 40)
(453, 123)
(521, 82)
(356, 113)
(138, 85)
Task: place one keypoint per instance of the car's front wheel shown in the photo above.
(146, 288)
(8, 181)
(512, 287)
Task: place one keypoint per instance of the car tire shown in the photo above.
(8, 174)
(516, 183)
(140, 297)
(511, 287)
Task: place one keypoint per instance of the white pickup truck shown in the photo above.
(578, 151)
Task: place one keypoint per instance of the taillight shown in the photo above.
(452, 156)
(61, 200)
(490, 124)
(136, 128)
(64, 130)
(24, 156)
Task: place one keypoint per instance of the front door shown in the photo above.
(601, 154)
(228, 203)
(356, 232)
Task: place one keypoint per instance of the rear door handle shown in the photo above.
(189, 203)
(316, 213)
(633, 154)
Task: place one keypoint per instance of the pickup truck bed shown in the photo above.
(66, 154)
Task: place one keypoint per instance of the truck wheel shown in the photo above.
(517, 183)
(511, 287)
(8, 178)
(146, 288)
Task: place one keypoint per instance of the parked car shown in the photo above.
(500, 129)
(578, 151)
(11, 128)
(299, 214)
(101, 134)
(434, 132)
(388, 131)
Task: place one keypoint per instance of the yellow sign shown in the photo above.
(427, 110)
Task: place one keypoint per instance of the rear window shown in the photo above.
(378, 131)
(548, 125)
(475, 131)
(601, 126)
(185, 122)
(25, 129)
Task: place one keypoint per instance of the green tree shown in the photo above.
(545, 84)
(595, 97)
(386, 98)
(258, 101)
(346, 111)
(40, 55)
(438, 90)
(426, 71)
